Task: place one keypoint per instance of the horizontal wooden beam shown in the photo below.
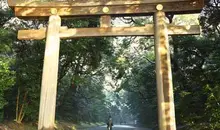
(192, 6)
(147, 30)
(69, 3)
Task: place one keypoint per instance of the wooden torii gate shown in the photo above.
(105, 9)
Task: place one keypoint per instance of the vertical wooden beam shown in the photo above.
(49, 78)
(105, 21)
(166, 109)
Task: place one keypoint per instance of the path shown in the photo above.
(119, 127)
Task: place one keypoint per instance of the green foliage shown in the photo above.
(85, 62)
(84, 101)
(141, 89)
(7, 76)
(210, 18)
(196, 86)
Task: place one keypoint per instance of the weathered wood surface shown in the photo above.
(105, 21)
(71, 3)
(116, 8)
(166, 110)
(147, 30)
(49, 77)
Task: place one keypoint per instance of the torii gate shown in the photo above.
(105, 9)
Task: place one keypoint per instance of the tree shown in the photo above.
(210, 18)
(7, 75)
(193, 82)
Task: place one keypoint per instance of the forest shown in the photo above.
(113, 76)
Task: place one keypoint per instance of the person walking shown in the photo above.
(109, 123)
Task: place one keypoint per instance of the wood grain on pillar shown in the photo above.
(49, 78)
(164, 75)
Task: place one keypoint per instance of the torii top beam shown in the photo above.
(42, 8)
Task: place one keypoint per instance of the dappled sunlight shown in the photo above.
(164, 77)
(46, 3)
(35, 8)
(147, 30)
(183, 30)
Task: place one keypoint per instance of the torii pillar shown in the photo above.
(50, 74)
(166, 109)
